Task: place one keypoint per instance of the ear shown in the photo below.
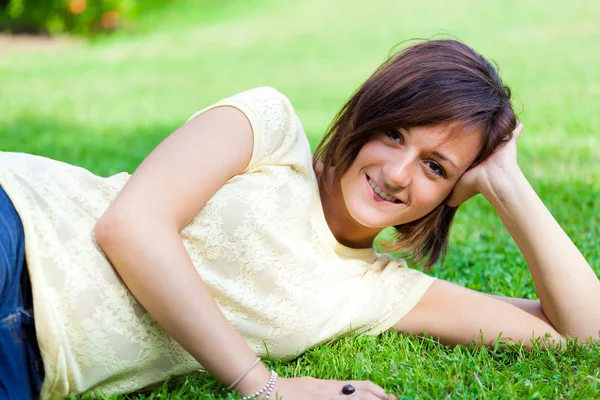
(518, 130)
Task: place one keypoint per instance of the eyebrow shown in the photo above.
(435, 153)
(443, 157)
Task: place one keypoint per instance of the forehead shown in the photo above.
(459, 145)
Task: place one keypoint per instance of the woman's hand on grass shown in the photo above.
(483, 175)
(307, 388)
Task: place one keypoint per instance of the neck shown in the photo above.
(344, 228)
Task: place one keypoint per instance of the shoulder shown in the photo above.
(275, 123)
(267, 103)
(265, 107)
(275, 126)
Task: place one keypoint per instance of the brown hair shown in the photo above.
(430, 83)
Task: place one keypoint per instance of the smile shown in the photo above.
(381, 195)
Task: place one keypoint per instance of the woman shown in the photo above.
(230, 241)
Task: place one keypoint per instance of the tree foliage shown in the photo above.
(82, 17)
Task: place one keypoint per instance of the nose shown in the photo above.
(397, 174)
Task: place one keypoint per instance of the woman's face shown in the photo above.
(401, 175)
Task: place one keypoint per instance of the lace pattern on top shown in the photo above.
(260, 243)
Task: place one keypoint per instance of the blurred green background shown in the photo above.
(104, 99)
(105, 102)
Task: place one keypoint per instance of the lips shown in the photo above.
(380, 194)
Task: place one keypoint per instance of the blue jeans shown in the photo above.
(21, 368)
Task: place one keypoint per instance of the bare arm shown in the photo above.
(140, 235)
(568, 288)
(566, 285)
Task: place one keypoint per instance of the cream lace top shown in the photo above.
(261, 244)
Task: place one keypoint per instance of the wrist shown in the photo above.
(497, 181)
(254, 380)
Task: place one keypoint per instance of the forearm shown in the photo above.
(156, 268)
(568, 288)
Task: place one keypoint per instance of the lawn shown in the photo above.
(104, 105)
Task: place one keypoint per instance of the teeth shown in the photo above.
(383, 194)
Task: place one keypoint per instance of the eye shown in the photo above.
(394, 135)
(435, 168)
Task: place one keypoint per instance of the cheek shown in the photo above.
(366, 157)
(428, 195)
(371, 153)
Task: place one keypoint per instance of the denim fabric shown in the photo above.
(21, 368)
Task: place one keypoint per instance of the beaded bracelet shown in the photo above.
(267, 389)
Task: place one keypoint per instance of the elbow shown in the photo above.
(110, 230)
(104, 230)
(117, 230)
(114, 235)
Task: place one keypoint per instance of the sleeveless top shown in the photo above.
(261, 244)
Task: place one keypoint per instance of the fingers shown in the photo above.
(361, 395)
(463, 191)
(460, 196)
(368, 390)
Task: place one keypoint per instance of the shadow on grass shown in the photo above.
(104, 150)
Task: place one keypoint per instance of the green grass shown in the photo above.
(104, 105)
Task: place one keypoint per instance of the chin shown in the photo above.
(372, 219)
